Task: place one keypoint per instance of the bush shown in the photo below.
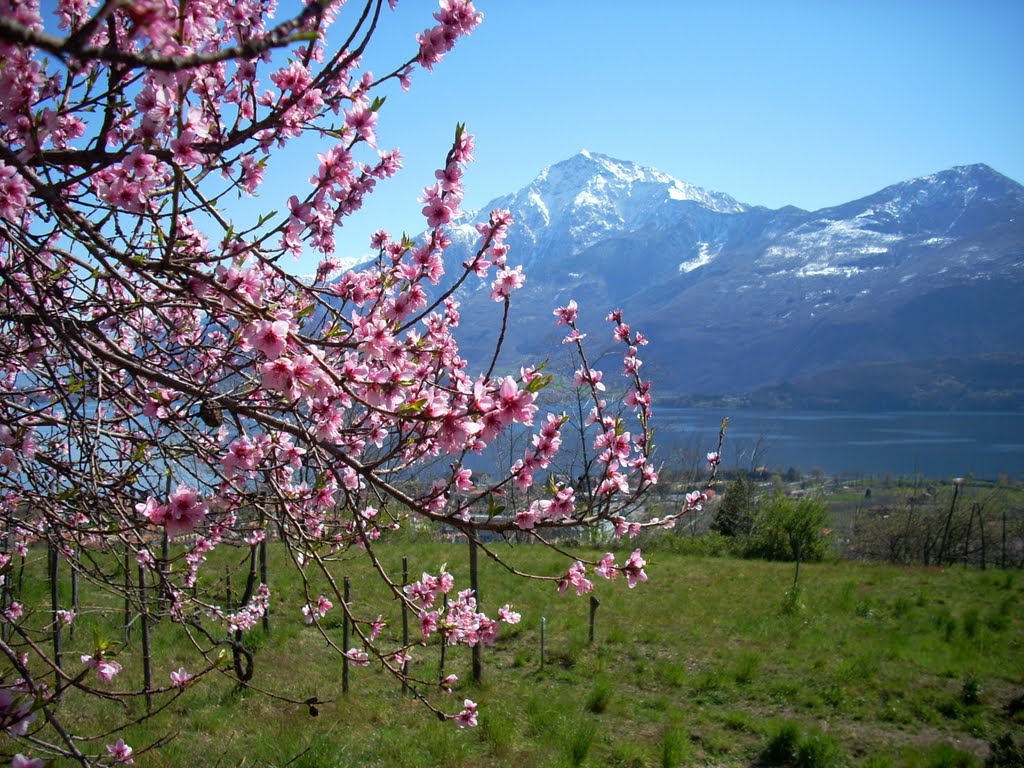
(789, 530)
(789, 747)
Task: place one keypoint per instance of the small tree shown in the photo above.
(735, 515)
(792, 530)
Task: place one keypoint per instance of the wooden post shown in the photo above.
(957, 482)
(53, 557)
(345, 640)
(162, 590)
(127, 565)
(975, 508)
(405, 626)
(474, 584)
(147, 656)
(594, 603)
(543, 628)
(74, 590)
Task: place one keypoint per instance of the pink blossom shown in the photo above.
(357, 658)
(106, 669)
(428, 622)
(180, 678)
(318, 611)
(634, 569)
(695, 500)
(607, 567)
(184, 511)
(121, 753)
(506, 614)
(566, 315)
(449, 682)
(588, 376)
(269, 337)
(527, 518)
(362, 122)
(507, 281)
(467, 717)
(15, 716)
(576, 577)
(20, 761)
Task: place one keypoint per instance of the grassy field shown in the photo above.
(706, 664)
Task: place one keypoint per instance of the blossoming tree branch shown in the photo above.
(167, 378)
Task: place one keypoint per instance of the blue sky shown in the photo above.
(775, 103)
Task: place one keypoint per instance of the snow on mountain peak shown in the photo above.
(591, 196)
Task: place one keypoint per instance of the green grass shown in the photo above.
(701, 665)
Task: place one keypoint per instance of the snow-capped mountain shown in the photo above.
(735, 296)
(589, 197)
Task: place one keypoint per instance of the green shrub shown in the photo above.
(946, 756)
(673, 749)
(599, 698)
(782, 744)
(818, 750)
(789, 530)
(787, 746)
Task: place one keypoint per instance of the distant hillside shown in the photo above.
(988, 383)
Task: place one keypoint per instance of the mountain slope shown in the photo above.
(736, 297)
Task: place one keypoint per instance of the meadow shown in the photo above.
(706, 664)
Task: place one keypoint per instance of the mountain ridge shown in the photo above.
(738, 297)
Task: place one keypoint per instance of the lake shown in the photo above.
(945, 444)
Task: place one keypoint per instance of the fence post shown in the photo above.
(74, 590)
(344, 640)
(405, 627)
(53, 558)
(594, 603)
(474, 584)
(543, 628)
(147, 656)
(127, 565)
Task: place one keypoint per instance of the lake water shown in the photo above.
(897, 443)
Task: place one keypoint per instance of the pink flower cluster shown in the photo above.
(106, 668)
(315, 612)
(183, 511)
(456, 18)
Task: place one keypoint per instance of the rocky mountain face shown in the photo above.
(736, 297)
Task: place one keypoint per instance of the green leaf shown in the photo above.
(493, 507)
(265, 218)
(378, 103)
(539, 383)
(416, 406)
(552, 485)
